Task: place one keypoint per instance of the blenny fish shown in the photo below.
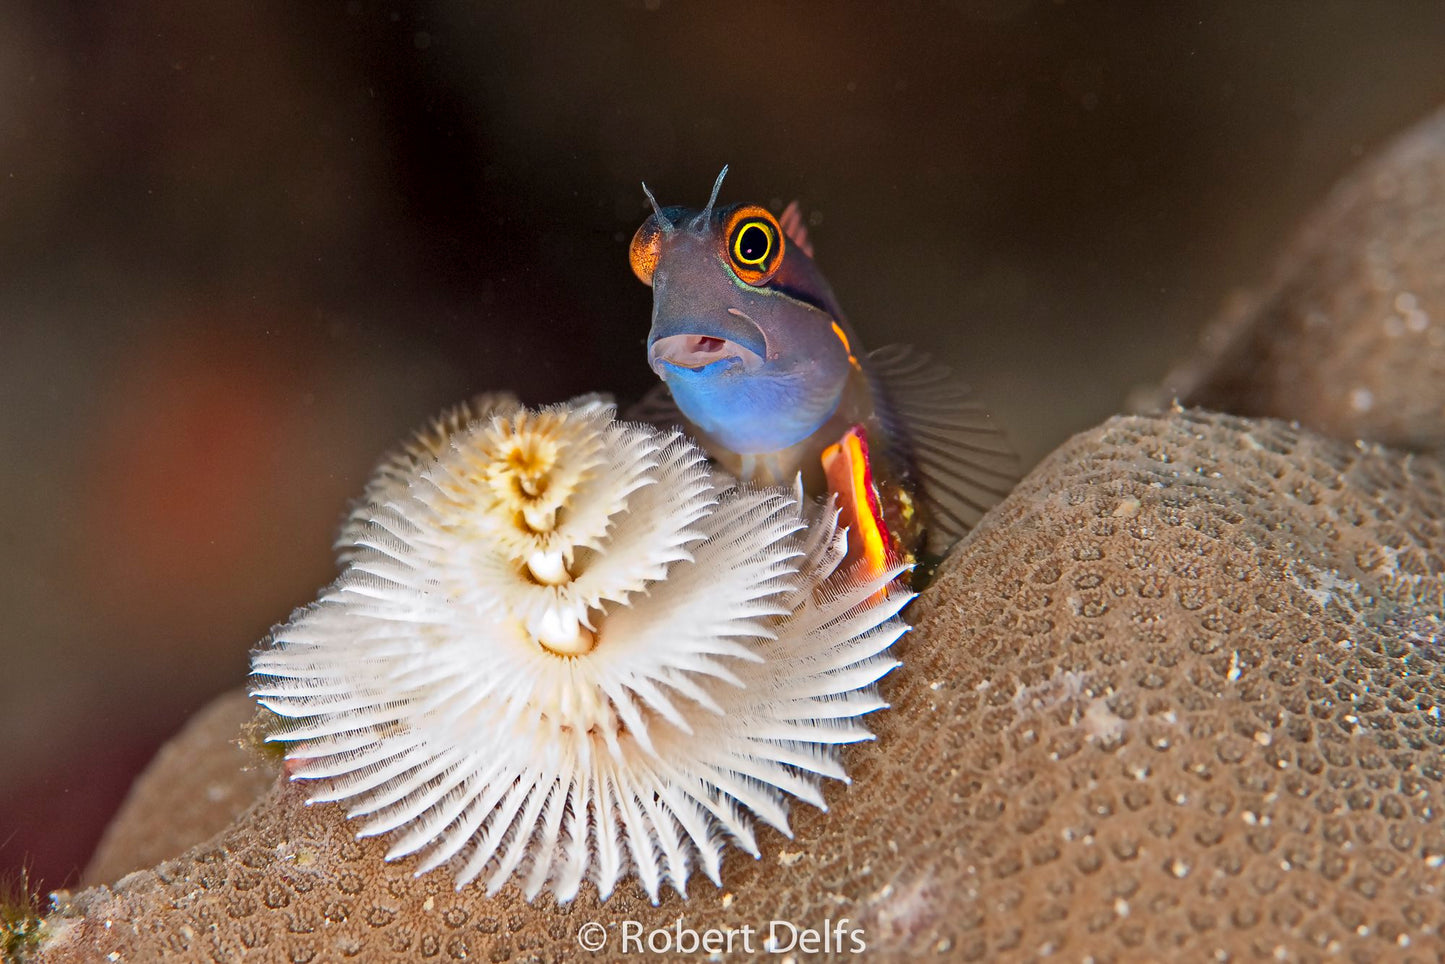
(760, 366)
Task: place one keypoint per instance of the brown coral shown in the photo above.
(201, 781)
(1349, 339)
(1178, 696)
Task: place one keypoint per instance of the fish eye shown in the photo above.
(645, 249)
(754, 244)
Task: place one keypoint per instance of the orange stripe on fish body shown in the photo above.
(850, 477)
(843, 337)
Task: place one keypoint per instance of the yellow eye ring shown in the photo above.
(754, 244)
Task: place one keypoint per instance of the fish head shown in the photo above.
(744, 329)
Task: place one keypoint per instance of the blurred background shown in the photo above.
(245, 246)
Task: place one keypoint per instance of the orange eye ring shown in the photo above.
(645, 249)
(754, 244)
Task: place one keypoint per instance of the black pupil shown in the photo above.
(753, 244)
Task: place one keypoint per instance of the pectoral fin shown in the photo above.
(944, 438)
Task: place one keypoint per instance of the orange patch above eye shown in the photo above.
(753, 244)
(645, 248)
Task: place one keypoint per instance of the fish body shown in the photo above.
(760, 365)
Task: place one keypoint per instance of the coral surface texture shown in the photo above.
(1178, 696)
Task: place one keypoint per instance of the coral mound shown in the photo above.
(1177, 698)
(212, 765)
(1206, 694)
(1349, 338)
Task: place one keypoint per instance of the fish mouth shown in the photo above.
(696, 352)
(736, 342)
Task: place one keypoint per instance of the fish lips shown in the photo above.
(710, 346)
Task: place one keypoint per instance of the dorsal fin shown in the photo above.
(794, 228)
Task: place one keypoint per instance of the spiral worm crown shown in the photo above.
(560, 650)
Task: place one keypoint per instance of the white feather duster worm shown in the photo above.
(558, 650)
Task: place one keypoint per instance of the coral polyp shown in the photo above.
(562, 650)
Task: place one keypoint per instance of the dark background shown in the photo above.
(244, 246)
